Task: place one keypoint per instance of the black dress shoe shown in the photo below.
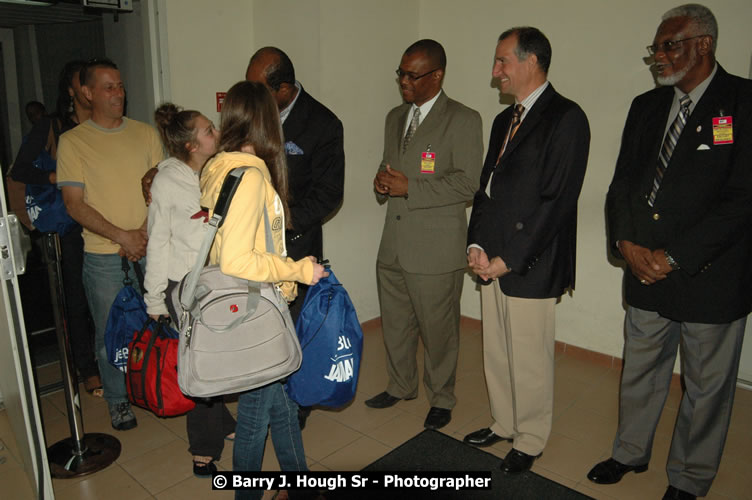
(517, 462)
(383, 400)
(610, 471)
(484, 437)
(437, 418)
(677, 494)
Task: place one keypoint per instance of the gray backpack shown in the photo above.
(235, 334)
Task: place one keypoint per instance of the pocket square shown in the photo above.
(703, 147)
(292, 149)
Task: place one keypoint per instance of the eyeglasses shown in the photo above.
(412, 77)
(668, 46)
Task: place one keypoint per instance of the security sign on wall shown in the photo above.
(220, 100)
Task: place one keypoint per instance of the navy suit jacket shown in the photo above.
(530, 220)
(316, 172)
(701, 214)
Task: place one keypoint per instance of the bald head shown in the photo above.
(272, 67)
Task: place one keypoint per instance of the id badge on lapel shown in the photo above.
(428, 161)
(723, 130)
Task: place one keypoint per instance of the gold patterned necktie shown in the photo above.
(513, 126)
(411, 129)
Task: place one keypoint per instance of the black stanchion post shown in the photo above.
(81, 453)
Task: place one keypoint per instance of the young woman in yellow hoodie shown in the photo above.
(251, 135)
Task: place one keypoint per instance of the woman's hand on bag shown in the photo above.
(319, 271)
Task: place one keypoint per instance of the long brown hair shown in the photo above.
(176, 126)
(250, 117)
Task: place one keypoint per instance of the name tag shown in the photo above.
(723, 130)
(427, 162)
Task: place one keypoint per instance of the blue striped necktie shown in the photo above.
(669, 143)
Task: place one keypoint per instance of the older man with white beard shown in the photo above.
(679, 215)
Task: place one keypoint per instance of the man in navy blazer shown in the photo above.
(314, 146)
(522, 240)
(679, 215)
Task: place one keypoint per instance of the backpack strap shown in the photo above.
(221, 207)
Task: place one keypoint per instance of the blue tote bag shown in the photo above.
(332, 340)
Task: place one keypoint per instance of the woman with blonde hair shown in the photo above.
(176, 229)
(252, 137)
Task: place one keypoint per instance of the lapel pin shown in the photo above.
(699, 127)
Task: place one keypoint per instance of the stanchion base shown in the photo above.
(99, 451)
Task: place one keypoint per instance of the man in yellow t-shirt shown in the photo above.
(100, 165)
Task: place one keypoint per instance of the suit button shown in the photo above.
(519, 226)
(398, 217)
(656, 216)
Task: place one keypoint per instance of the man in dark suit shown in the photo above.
(679, 214)
(433, 147)
(522, 240)
(314, 146)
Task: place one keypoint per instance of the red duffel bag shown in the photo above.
(152, 377)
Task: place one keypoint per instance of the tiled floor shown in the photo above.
(155, 462)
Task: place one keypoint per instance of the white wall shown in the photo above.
(126, 43)
(345, 53)
(208, 45)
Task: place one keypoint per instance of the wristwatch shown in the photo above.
(671, 262)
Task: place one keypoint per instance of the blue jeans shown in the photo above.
(103, 278)
(257, 410)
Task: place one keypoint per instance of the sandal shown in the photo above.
(93, 385)
(204, 469)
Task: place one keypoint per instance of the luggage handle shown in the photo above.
(326, 264)
(127, 281)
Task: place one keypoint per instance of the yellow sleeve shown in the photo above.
(68, 164)
(242, 252)
(157, 151)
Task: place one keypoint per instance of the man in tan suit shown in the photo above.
(433, 152)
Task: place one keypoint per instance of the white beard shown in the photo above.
(679, 75)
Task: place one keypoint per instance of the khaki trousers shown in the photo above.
(425, 306)
(518, 357)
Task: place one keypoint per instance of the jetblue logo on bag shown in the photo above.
(121, 358)
(342, 366)
(32, 208)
